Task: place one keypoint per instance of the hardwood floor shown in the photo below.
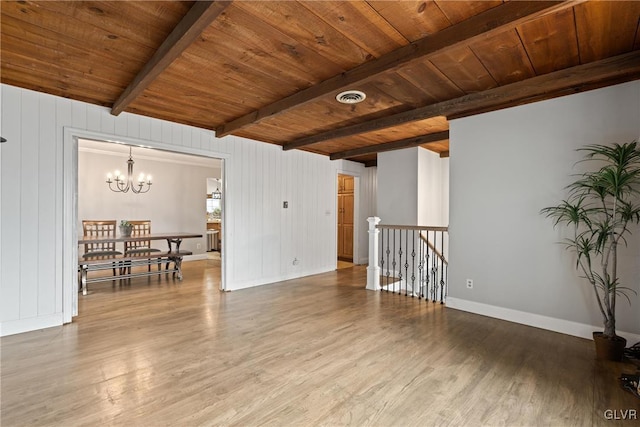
(314, 351)
(344, 264)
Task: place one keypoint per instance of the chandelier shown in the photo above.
(216, 194)
(124, 184)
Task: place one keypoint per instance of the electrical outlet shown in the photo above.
(296, 261)
(469, 284)
(199, 245)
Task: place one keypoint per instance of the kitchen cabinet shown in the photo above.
(214, 235)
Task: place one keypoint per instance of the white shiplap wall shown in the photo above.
(262, 238)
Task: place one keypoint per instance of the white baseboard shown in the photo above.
(536, 320)
(19, 326)
(196, 257)
(262, 281)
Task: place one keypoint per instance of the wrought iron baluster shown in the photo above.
(413, 264)
(382, 256)
(394, 263)
(406, 262)
(421, 265)
(388, 251)
(446, 280)
(434, 269)
(427, 268)
(400, 262)
(441, 267)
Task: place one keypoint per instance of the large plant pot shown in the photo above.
(609, 348)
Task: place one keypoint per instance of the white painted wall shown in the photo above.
(176, 201)
(368, 207)
(262, 238)
(413, 188)
(398, 187)
(505, 167)
(444, 181)
(432, 193)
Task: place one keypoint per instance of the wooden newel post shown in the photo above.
(373, 270)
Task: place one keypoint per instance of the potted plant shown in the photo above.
(599, 209)
(125, 228)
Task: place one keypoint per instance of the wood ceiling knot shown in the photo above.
(270, 71)
(96, 10)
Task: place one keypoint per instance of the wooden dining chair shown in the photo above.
(100, 228)
(140, 228)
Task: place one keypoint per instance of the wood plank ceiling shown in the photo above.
(270, 70)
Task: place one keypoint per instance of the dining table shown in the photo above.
(123, 262)
(172, 238)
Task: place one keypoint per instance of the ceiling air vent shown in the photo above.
(350, 97)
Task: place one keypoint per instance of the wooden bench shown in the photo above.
(123, 263)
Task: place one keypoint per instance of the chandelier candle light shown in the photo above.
(122, 184)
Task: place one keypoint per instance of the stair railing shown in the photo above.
(408, 260)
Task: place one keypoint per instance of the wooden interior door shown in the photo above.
(340, 226)
(345, 217)
(347, 225)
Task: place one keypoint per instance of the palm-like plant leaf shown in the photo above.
(613, 287)
(568, 212)
(629, 212)
(601, 205)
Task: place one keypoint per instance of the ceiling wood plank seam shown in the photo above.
(619, 68)
(490, 22)
(199, 17)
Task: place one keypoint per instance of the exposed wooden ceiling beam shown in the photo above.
(390, 146)
(495, 20)
(612, 70)
(371, 163)
(199, 17)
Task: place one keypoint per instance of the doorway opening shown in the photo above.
(177, 201)
(214, 216)
(345, 220)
